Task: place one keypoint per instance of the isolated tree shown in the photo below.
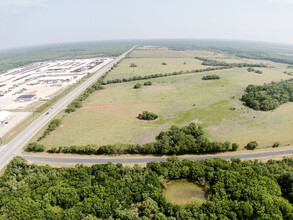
(137, 86)
(251, 145)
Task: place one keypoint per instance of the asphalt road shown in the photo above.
(12, 149)
(146, 159)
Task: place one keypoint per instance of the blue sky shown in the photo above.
(35, 22)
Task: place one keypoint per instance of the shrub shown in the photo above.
(137, 86)
(258, 71)
(164, 63)
(235, 147)
(133, 65)
(251, 145)
(148, 83)
(250, 69)
(35, 147)
(211, 77)
(145, 115)
(276, 144)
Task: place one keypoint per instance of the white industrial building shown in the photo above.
(5, 116)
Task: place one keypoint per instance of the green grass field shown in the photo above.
(182, 192)
(109, 116)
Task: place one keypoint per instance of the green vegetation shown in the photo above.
(133, 65)
(164, 63)
(269, 96)
(250, 69)
(109, 116)
(159, 75)
(148, 83)
(211, 77)
(19, 57)
(209, 62)
(251, 145)
(243, 49)
(276, 144)
(77, 103)
(51, 127)
(236, 190)
(146, 115)
(35, 147)
(183, 192)
(137, 86)
(187, 140)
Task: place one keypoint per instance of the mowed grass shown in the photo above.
(109, 116)
(182, 192)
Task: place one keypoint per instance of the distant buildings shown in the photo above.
(25, 98)
(5, 116)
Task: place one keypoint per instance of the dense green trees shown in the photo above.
(35, 147)
(268, 96)
(186, 140)
(236, 190)
(146, 115)
(211, 77)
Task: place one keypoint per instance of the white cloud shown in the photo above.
(7, 6)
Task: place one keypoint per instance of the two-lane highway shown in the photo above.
(13, 147)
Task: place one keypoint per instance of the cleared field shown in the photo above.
(109, 116)
(147, 66)
(182, 192)
(157, 52)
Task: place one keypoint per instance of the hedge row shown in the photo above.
(187, 140)
(51, 127)
(159, 75)
(209, 62)
(77, 103)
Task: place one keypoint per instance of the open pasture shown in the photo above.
(109, 116)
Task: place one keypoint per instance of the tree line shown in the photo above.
(186, 140)
(51, 127)
(235, 189)
(77, 103)
(209, 62)
(159, 75)
(268, 96)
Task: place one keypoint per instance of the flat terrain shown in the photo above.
(182, 192)
(109, 116)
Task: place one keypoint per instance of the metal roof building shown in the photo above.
(25, 98)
